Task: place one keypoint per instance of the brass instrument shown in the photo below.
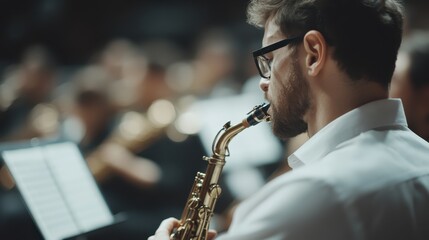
(195, 220)
(135, 132)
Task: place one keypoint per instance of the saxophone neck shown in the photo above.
(220, 145)
(257, 115)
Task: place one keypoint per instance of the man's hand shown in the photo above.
(166, 227)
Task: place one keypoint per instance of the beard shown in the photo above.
(288, 112)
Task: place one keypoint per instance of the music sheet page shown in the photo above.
(58, 189)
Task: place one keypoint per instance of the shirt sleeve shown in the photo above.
(299, 210)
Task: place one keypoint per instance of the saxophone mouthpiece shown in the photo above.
(265, 108)
(258, 114)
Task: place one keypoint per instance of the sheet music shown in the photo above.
(78, 186)
(58, 189)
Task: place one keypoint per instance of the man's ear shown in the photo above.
(316, 52)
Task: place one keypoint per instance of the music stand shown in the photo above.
(58, 188)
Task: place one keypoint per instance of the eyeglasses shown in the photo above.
(263, 63)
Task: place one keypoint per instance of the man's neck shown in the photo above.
(339, 98)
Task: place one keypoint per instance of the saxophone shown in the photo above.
(195, 220)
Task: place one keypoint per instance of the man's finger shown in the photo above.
(211, 235)
(165, 228)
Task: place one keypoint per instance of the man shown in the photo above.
(363, 174)
(411, 82)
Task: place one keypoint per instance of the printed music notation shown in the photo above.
(58, 189)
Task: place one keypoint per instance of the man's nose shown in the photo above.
(263, 84)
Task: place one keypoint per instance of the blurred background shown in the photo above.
(141, 87)
(76, 30)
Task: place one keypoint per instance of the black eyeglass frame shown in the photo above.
(270, 48)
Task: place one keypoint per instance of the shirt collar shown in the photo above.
(376, 114)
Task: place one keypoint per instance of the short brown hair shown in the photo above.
(366, 34)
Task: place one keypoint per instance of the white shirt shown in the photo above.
(363, 176)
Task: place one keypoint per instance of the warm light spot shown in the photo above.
(188, 123)
(45, 118)
(132, 125)
(161, 113)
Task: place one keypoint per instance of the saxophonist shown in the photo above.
(325, 67)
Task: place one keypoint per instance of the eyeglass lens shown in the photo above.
(264, 66)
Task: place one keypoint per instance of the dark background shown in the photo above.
(74, 29)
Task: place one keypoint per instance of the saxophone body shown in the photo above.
(196, 216)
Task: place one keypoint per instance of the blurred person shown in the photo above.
(411, 82)
(96, 116)
(133, 68)
(325, 68)
(34, 80)
(114, 57)
(168, 74)
(92, 120)
(215, 65)
(124, 65)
